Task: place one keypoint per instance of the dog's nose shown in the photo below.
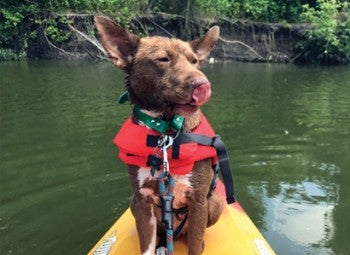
(199, 81)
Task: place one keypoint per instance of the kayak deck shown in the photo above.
(234, 233)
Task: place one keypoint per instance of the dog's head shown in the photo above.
(163, 73)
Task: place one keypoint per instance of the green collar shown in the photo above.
(157, 123)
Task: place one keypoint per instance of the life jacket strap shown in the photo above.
(224, 163)
(217, 143)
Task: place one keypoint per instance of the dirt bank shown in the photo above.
(240, 40)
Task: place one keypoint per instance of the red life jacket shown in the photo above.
(133, 150)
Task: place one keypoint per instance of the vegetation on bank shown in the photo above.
(327, 40)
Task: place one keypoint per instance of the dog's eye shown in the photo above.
(194, 61)
(164, 59)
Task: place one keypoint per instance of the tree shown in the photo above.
(329, 39)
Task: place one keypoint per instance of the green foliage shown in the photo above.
(12, 19)
(212, 8)
(328, 41)
(20, 20)
(53, 29)
(258, 10)
(10, 55)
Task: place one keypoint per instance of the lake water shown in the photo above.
(287, 129)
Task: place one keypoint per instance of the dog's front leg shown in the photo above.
(146, 224)
(197, 222)
(142, 207)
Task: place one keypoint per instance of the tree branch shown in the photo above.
(54, 46)
(91, 40)
(243, 44)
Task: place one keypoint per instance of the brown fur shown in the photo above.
(161, 76)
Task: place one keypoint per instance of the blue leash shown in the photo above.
(167, 198)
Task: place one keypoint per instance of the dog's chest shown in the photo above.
(148, 186)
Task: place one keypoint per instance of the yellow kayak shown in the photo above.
(234, 233)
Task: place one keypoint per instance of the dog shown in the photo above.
(163, 80)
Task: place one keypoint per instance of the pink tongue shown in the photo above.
(201, 94)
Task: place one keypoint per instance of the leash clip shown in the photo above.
(165, 142)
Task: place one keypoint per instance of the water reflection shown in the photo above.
(302, 218)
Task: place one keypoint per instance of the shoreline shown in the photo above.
(240, 40)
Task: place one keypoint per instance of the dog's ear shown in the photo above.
(119, 44)
(203, 46)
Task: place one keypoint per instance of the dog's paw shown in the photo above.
(161, 251)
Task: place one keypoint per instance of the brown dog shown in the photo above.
(163, 81)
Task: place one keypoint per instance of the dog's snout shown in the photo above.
(199, 81)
